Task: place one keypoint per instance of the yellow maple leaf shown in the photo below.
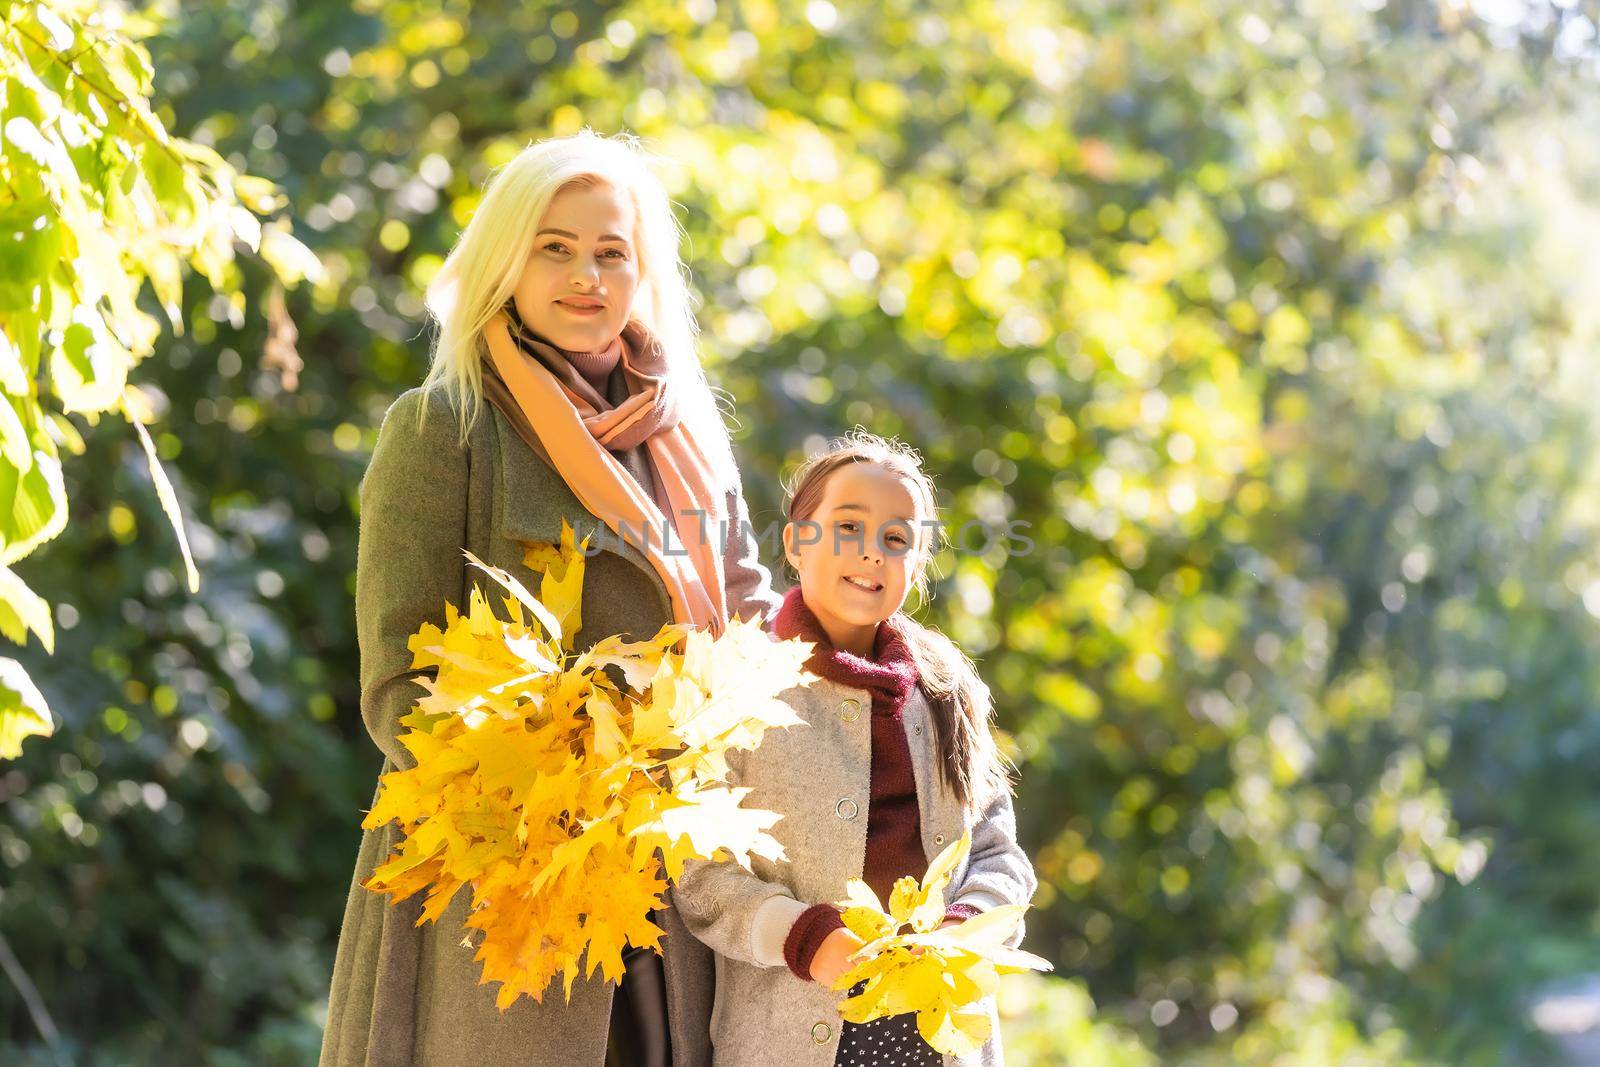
(863, 914)
(708, 822)
(541, 555)
(562, 587)
(941, 974)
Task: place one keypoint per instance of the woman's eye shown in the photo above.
(555, 246)
(614, 253)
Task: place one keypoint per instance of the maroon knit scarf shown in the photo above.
(889, 675)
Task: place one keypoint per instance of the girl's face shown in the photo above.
(577, 288)
(858, 554)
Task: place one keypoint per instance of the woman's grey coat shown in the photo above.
(817, 777)
(403, 994)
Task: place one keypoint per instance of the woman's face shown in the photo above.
(858, 554)
(577, 288)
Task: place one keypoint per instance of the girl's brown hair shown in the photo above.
(971, 765)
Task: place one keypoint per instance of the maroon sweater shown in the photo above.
(894, 829)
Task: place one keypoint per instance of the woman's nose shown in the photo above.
(586, 271)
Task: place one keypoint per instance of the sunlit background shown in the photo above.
(1276, 323)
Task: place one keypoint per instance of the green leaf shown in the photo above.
(288, 258)
(30, 245)
(258, 194)
(23, 711)
(169, 181)
(246, 227)
(16, 377)
(61, 35)
(37, 509)
(90, 367)
(23, 611)
(63, 433)
(36, 101)
(169, 504)
(15, 448)
(45, 149)
(27, 329)
(164, 270)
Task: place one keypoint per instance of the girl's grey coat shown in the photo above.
(817, 777)
(403, 994)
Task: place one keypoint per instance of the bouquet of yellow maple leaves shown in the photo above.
(941, 974)
(563, 787)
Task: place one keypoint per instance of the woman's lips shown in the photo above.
(581, 310)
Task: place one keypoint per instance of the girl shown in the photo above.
(896, 762)
(564, 306)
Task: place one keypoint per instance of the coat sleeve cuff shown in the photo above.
(773, 919)
(810, 929)
(962, 911)
(978, 900)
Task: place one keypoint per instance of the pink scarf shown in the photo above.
(579, 430)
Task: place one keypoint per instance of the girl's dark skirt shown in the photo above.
(892, 1041)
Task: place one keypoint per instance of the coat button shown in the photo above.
(820, 1033)
(850, 710)
(938, 839)
(847, 808)
(916, 728)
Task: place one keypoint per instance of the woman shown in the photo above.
(564, 306)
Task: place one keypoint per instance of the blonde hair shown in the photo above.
(972, 765)
(482, 270)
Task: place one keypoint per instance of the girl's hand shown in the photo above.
(833, 956)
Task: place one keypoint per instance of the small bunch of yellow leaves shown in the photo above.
(561, 797)
(941, 974)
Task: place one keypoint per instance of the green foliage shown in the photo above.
(1265, 319)
(1049, 1021)
(98, 200)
